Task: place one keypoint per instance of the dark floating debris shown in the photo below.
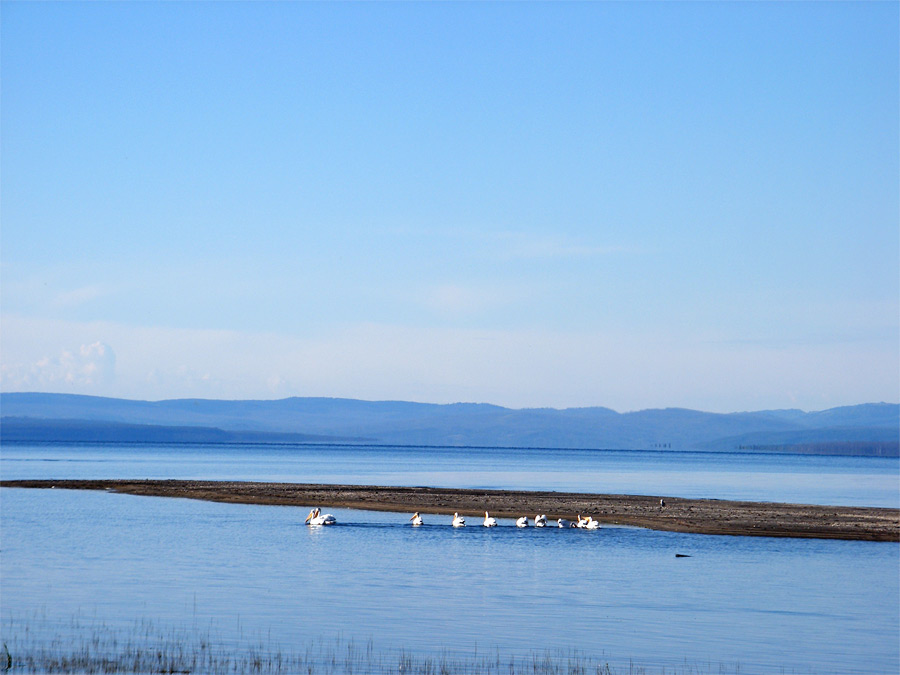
(682, 555)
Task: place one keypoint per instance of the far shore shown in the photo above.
(701, 516)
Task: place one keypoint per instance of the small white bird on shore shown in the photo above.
(416, 519)
(458, 520)
(540, 520)
(316, 517)
(522, 522)
(489, 521)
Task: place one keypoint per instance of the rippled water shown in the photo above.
(618, 594)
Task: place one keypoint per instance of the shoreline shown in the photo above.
(697, 516)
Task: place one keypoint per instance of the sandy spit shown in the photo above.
(702, 516)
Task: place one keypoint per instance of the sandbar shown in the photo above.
(701, 516)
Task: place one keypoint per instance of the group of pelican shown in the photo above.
(540, 520)
(316, 517)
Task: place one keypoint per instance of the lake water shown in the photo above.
(617, 594)
(848, 481)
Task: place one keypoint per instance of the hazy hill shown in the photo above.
(32, 429)
(474, 424)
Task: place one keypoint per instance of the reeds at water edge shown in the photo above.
(87, 647)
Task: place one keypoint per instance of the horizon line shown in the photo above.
(427, 403)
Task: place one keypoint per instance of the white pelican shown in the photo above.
(458, 520)
(522, 522)
(562, 522)
(540, 521)
(588, 523)
(489, 521)
(315, 517)
(416, 519)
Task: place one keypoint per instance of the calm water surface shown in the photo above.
(849, 481)
(618, 594)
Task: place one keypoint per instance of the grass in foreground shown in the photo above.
(96, 648)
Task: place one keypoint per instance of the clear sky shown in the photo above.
(622, 204)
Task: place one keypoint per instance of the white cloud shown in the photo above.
(454, 300)
(89, 368)
(278, 386)
(77, 296)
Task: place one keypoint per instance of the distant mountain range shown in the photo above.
(871, 428)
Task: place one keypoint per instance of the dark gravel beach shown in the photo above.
(703, 516)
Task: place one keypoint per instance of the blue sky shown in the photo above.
(531, 204)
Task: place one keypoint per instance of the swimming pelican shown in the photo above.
(489, 521)
(588, 523)
(316, 517)
(522, 522)
(416, 519)
(562, 522)
(458, 520)
(540, 521)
